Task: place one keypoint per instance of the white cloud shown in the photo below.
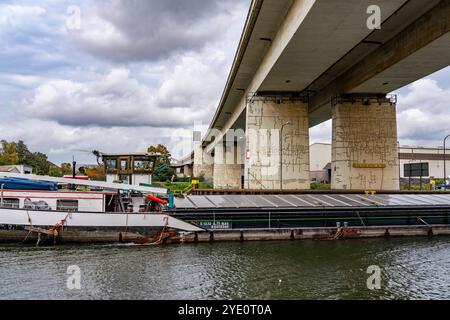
(320, 133)
(189, 93)
(21, 80)
(423, 113)
(137, 73)
(141, 73)
(130, 31)
(15, 15)
(60, 142)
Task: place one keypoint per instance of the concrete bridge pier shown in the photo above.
(364, 143)
(203, 163)
(277, 143)
(228, 165)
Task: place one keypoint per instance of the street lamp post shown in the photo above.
(281, 153)
(445, 167)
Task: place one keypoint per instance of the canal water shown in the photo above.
(413, 268)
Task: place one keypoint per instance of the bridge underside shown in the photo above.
(295, 69)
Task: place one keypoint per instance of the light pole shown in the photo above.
(281, 153)
(445, 167)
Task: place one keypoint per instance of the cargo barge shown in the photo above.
(99, 214)
(313, 216)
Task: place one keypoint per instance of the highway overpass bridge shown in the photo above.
(302, 62)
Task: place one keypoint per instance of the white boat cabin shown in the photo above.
(84, 201)
(89, 196)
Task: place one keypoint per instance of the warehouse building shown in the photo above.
(414, 161)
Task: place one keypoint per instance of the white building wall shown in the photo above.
(320, 156)
(111, 177)
(436, 167)
(141, 178)
(136, 178)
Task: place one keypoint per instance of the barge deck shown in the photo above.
(313, 216)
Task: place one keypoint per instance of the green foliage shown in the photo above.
(39, 163)
(18, 153)
(416, 186)
(97, 173)
(55, 172)
(165, 157)
(8, 154)
(180, 187)
(320, 186)
(162, 160)
(204, 185)
(22, 152)
(66, 168)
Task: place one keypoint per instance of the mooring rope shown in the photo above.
(60, 225)
(28, 234)
(159, 241)
(362, 221)
(31, 225)
(338, 234)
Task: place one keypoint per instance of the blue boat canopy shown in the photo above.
(25, 184)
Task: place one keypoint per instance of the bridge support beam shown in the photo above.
(277, 143)
(203, 163)
(228, 165)
(364, 143)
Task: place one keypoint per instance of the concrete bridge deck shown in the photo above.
(302, 62)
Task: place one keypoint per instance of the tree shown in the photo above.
(164, 171)
(8, 154)
(66, 168)
(55, 172)
(22, 152)
(97, 173)
(165, 157)
(39, 162)
(12, 153)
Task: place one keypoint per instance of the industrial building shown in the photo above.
(431, 159)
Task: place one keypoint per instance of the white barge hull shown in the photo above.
(88, 227)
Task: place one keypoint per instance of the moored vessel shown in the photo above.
(101, 212)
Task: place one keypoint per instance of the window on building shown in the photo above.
(125, 178)
(142, 164)
(11, 203)
(111, 164)
(123, 164)
(67, 205)
(420, 169)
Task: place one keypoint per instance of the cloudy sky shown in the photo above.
(129, 74)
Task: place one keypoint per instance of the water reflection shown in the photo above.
(415, 268)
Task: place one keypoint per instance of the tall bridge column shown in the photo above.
(277, 143)
(228, 166)
(364, 143)
(203, 163)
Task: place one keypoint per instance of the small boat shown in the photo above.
(42, 209)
